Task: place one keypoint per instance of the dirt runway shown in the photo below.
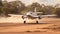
(52, 26)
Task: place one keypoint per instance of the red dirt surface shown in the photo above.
(51, 26)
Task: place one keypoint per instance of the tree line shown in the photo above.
(18, 7)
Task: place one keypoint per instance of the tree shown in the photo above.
(48, 10)
(58, 12)
(33, 5)
(0, 2)
(16, 7)
(0, 6)
(5, 8)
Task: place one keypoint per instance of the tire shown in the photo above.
(39, 17)
(37, 22)
(24, 22)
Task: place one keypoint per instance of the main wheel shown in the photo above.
(24, 22)
(39, 17)
(37, 22)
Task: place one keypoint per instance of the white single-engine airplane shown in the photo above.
(32, 15)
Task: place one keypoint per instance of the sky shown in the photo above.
(46, 2)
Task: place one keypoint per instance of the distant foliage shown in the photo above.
(58, 12)
(0, 2)
(0, 6)
(33, 5)
(18, 7)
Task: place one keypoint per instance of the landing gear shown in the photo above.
(37, 22)
(24, 22)
(24, 19)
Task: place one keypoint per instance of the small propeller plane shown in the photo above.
(32, 15)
